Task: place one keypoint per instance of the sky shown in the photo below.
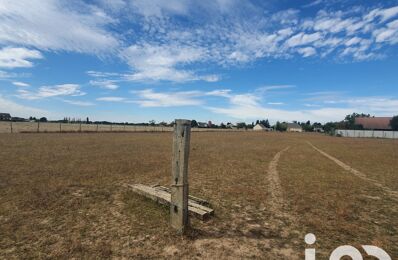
(217, 60)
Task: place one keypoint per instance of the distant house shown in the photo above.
(202, 125)
(5, 117)
(319, 130)
(293, 127)
(374, 123)
(261, 127)
(231, 126)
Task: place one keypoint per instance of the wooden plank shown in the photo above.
(164, 197)
(196, 199)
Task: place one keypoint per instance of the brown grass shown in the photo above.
(61, 195)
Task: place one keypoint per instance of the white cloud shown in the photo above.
(6, 75)
(388, 33)
(17, 57)
(275, 87)
(112, 99)
(307, 51)
(159, 7)
(79, 103)
(303, 39)
(219, 93)
(232, 42)
(248, 106)
(51, 91)
(372, 105)
(160, 62)
(384, 14)
(20, 84)
(105, 84)
(101, 74)
(150, 98)
(15, 109)
(353, 41)
(250, 112)
(56, 25)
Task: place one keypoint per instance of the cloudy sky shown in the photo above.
(219, 60)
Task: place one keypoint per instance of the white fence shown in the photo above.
(367, 133)
(37, 127)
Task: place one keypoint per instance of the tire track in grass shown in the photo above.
(282, 221)
(392, 193)
(275, 188)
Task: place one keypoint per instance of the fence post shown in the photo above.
(97, 128)
(179, 188)
(38, 126)
(11, 127)
(60, 127)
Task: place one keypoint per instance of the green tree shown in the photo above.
(265, 123)
(194, 123)
(280, 126)
(350, 120)
(241, 125)
(394, 123)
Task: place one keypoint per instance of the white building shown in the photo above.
(261, 127)
(294, 127)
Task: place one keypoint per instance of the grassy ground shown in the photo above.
(62, 195)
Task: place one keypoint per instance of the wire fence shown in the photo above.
(40, 127)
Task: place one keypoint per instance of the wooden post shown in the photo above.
(97, 128)
(179, 187)
(80, 127)
(11, 127)
(38, 126)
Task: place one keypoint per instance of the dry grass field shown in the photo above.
(62, 195)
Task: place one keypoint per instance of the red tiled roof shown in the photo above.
(381, 123)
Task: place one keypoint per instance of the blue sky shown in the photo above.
(219, 60)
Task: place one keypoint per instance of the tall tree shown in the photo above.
(394, 123)
(194, 123)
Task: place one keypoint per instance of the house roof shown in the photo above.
(260, 125)
(374, 122)
(293, 125)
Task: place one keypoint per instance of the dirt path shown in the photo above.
(282, 221)
(267, 232)
(276, 201)
(392, 193)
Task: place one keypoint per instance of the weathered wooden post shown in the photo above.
(179, 187)
(11, 127)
